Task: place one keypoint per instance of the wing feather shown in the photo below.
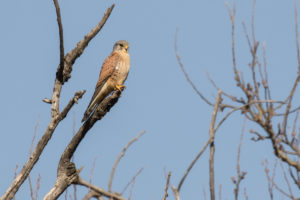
(107, 70)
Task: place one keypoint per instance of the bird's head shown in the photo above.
(121, 45)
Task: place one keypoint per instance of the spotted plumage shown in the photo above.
(112, 76)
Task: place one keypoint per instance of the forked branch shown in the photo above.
(64, 73)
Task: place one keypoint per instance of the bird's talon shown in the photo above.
(120, 87)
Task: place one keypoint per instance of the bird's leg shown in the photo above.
(120, 87)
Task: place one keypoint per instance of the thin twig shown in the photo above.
(112, 173)
(276, 186)
(30, 152)
(294, 126)
(78, 95)
(92, 170)
(252, 22)
(55, 120)
(100, 191)
(195, 159)
(233, 98)
(186, 74)
(167, 187)
(131, 181)
(192, 164)
(270, 180)
(15, 174)
(241, 108)
(240, 175)
(232, 19)
(286, 179)
(220, 192)
(131, 189)
(68, 174)
(296, 180)
(71, 57)
(290, 97)
(38, 184)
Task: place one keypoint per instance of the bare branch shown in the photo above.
(132, 180)
(209, 141)
(80, 47)
(56, 116)
(273, 184)
(23, 174)
(131, 189)
(100, 191)
(70, 59)
(91, 193)
(67, 173)
(212, 146)
(38, 181)
(59, 73)
(92, 170)
(78, 95)
(240, 175)
(192, 164)
(185, 73)
(288, 107)
(252, 22)
(232, 19)
(112, 173)
(30, 151)
(290, 97)
(270, 180)
(72, 159)
(167, 187)
(286, 179)
(15, 174)
(176, 193)
(296, 180)
(233, 98)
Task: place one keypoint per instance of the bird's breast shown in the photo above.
(121, 72)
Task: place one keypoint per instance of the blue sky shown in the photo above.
(157, 98)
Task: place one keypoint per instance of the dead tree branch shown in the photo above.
(30, 152)
(56, 116)
(186, 74)
(61, 42)
(66, 172)
(176, 193)
(208, 142)
(262, 113)
(112, 173)
(167, 187)
(212, 146)
(100, 191)
(192, 164)
(240, 175)
(132, 180)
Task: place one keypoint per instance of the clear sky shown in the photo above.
(157, 98)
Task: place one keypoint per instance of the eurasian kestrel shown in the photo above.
(112, 76)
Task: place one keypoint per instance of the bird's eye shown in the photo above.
(121, 45)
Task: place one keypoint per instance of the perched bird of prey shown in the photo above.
(112, 76)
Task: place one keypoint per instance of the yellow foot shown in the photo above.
(120, 87)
